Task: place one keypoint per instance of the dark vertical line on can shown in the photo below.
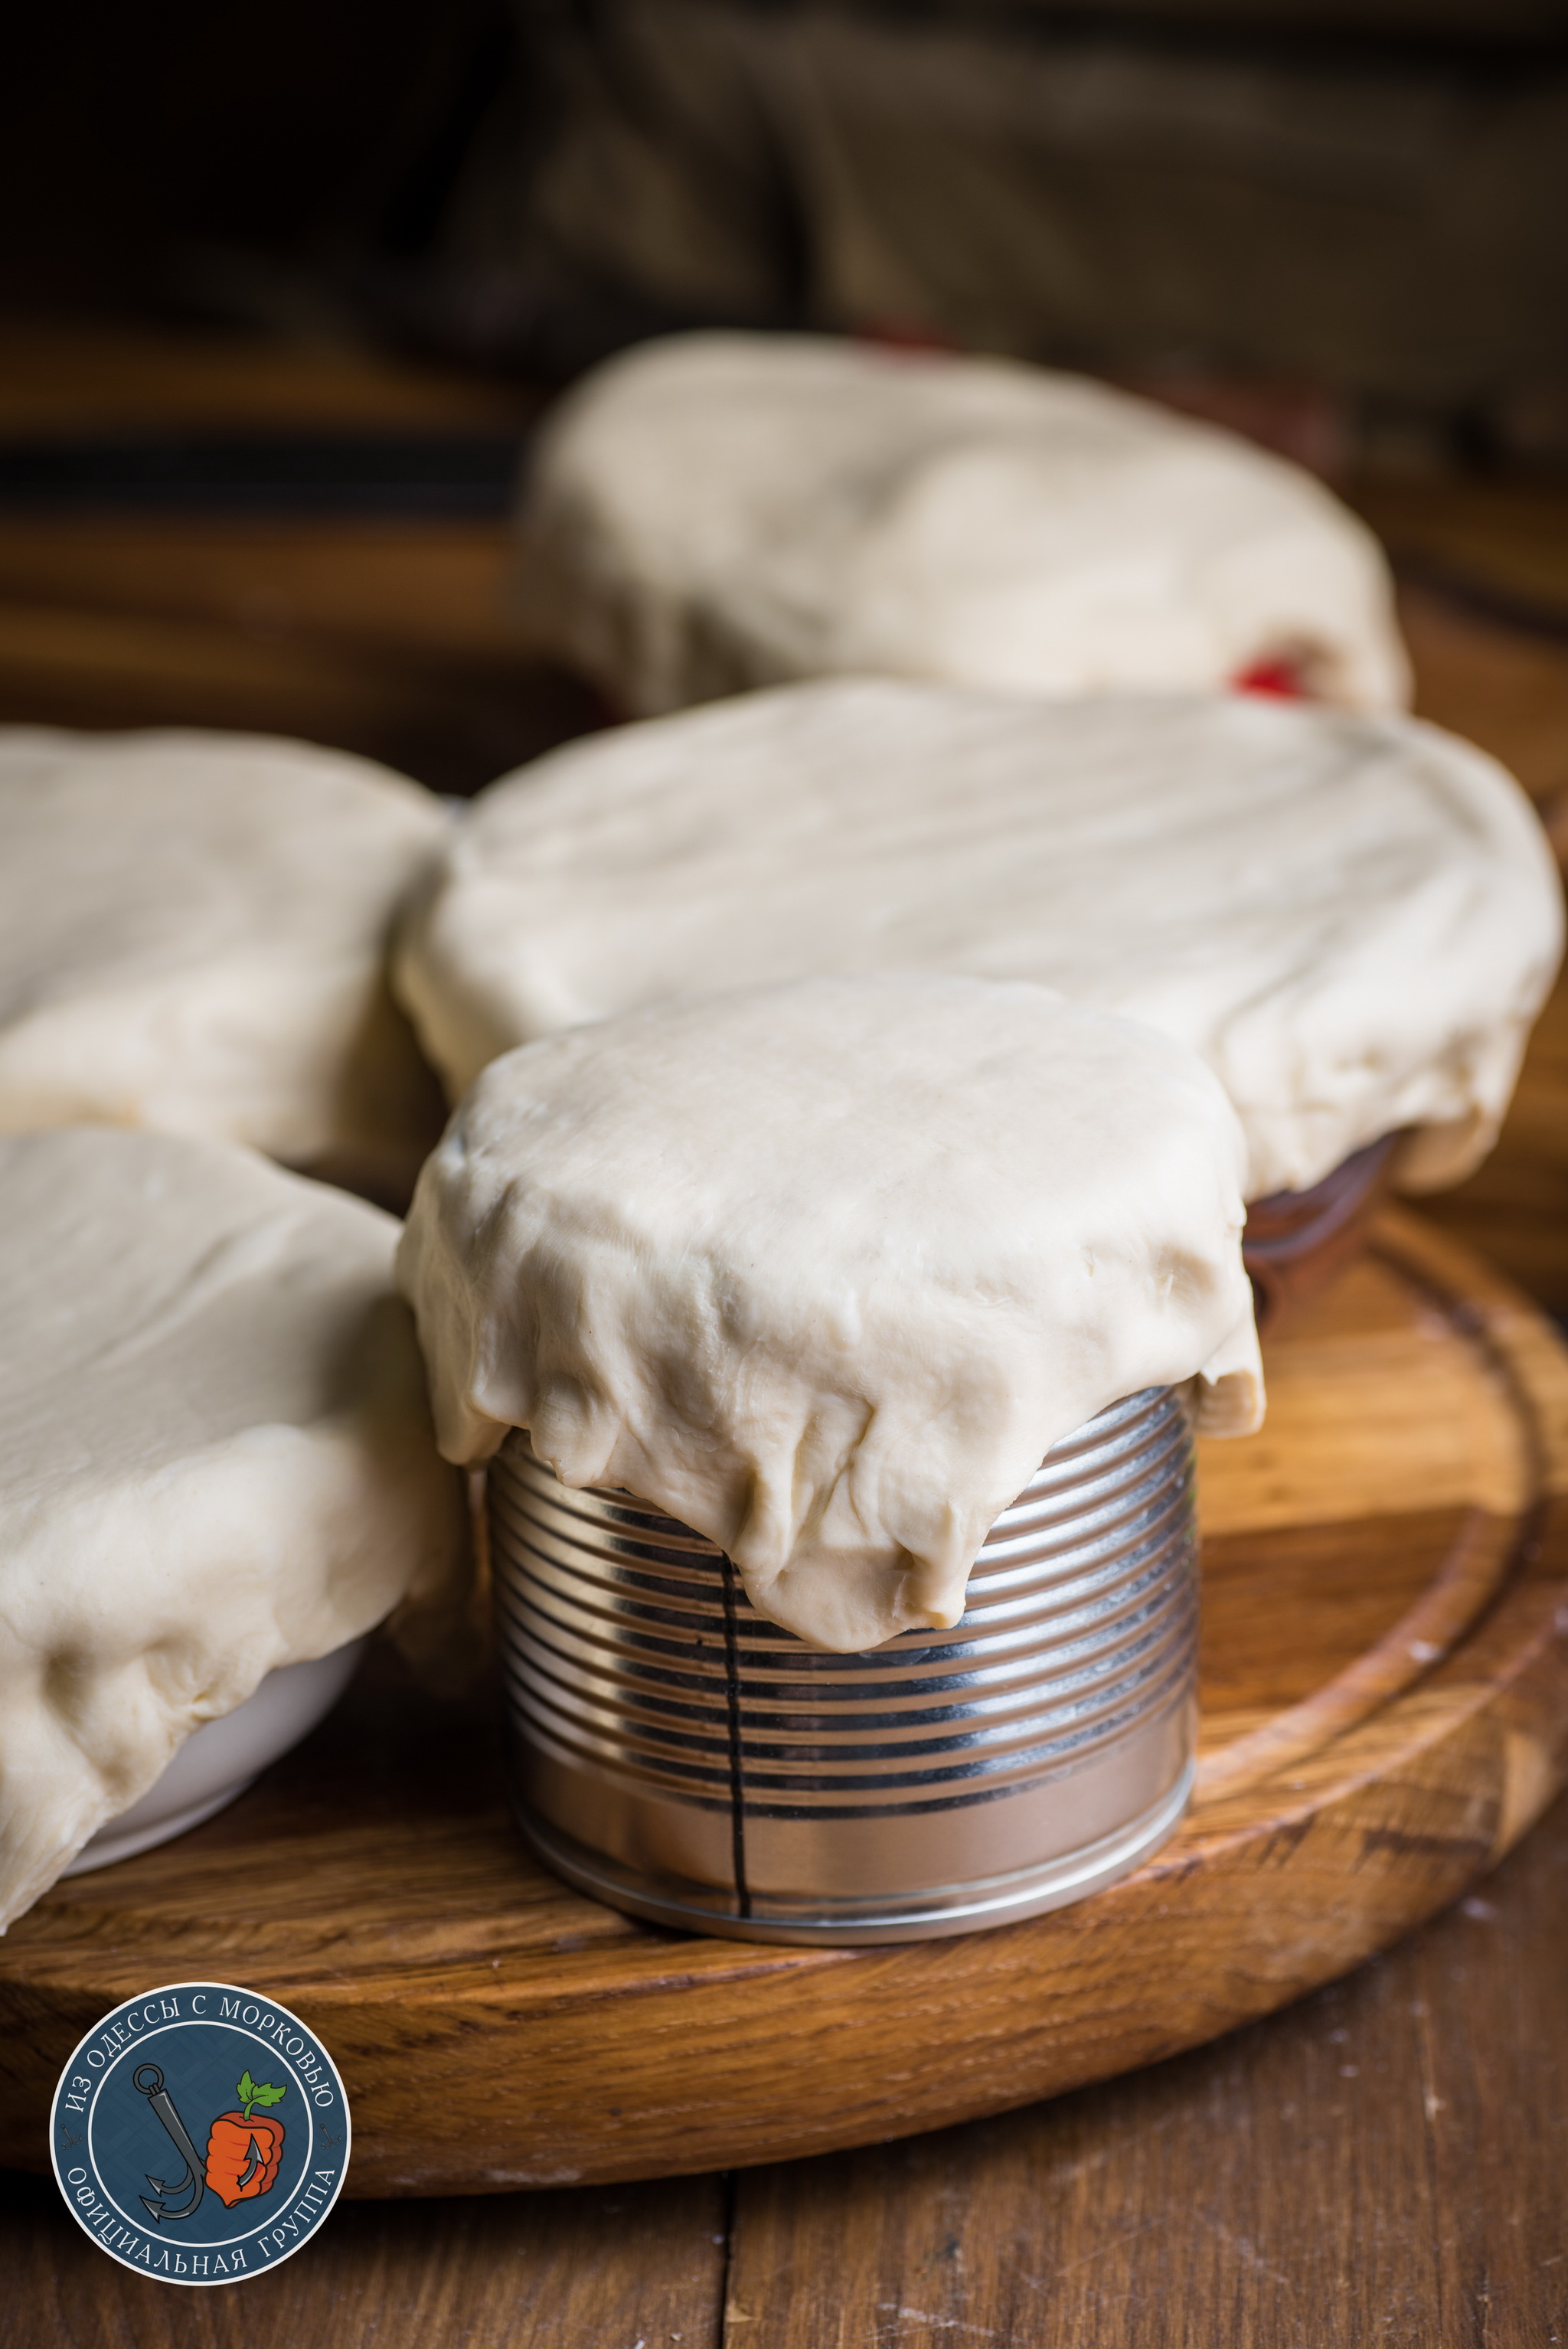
(737, 1770)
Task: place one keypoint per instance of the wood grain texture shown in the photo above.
(1506, 535)
(1500, 687)
(452, 718)
(1362, 1761)
(393, 638)
(62, 374)
(1381, 2164)
(1513, 1209)
(596, 2268)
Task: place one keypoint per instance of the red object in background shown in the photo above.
(1279, 680)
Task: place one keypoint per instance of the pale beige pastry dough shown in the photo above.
(193, 936)
(215, 1458)
(1354, 920)
(717, 510)
(824, 1271)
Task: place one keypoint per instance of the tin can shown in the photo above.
(676, 1755)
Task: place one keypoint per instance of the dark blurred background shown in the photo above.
(1365, 200)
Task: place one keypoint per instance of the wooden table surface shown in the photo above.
(1382, 2163)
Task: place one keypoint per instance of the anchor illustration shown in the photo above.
(147, 2081)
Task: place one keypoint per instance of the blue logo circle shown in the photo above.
(200, 2133)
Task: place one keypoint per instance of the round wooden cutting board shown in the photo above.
(1386, 1710)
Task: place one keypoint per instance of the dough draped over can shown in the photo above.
(824, 1271)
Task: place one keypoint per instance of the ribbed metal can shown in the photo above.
(677, 1755)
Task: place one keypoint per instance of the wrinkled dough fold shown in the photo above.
(824, 1271)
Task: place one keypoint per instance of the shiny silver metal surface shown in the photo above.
(677, 1755)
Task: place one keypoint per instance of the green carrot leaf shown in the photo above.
(246, 2090)
(268, 2094)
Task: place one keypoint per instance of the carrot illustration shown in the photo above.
(242, 2152)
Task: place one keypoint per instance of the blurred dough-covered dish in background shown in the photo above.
(215, 1460)
(713, 511)
(1353, 920)
(193, 932)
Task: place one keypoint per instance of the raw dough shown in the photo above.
(719, 510)
(1354, 920)
(215, 1457)
(824, 1271)
(193, 936)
